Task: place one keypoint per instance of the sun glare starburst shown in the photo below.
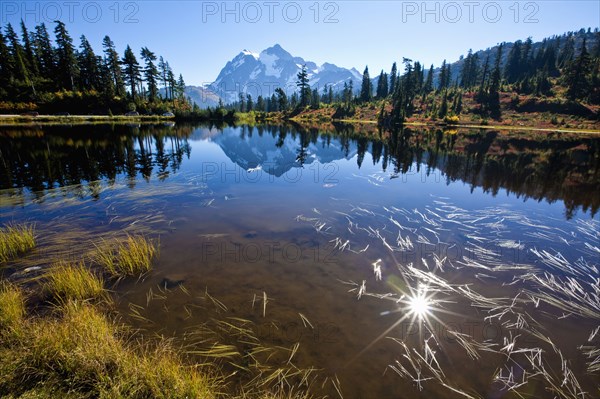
(419, 305)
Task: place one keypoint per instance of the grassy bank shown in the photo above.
(76, 351)
(73, 119)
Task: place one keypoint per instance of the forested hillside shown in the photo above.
(53, 75)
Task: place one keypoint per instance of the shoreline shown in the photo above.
(9, 120)
(475, 126)
(18, 120)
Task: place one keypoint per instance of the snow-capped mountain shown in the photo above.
(261, 73)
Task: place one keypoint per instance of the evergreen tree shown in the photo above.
(324, 98)
(151, 74)
(5, 67)
(163, 68)
(444, 105)
(457, 108)
(366, 88)
(131, 71)
(444, 76)
(393, 77)
(260, 103)
(107, 84)
(314, 99)
(526, 58)
(447, 79)
(408, 85)
(112, 67)
(89, 70)
(180, 87)
(66, 67)
(428, 86)
(568, 52)
(172, 82)
(282, 101)
(17, 55)
(249, 103)
(44, 52)
(494, 90)
(513, 63)
(419, 72)
(30, 59)
(348, 92)
(242, 102)
(273, 107)
(484, 74)
(302, 83)
(577, 75)
(470, 71)
(382, 85)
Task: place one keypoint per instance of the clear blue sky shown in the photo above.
(199, 37)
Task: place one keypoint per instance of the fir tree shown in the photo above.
(302, 83)
(393, 77)
(444, 105)
(282, 101)
(180, 87)
(382, 85)
(151, 74)
(577, 75)
(494, 90)
(89, 70)
(17, 55)
(568, 52)
(314, 99)
(513, 63)
(131, 71)
(428, 86)
(443, 76)
(66, 67)
(112, 66)
(260, 103)
(30, 59)
(366, 88)
(5, 67)
(44, 52)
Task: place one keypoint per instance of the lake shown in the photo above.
(417, 263)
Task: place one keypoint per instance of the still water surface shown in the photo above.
(407, 264)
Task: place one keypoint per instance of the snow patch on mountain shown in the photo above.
(270, 61)
(246, 52)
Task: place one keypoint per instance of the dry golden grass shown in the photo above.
(80, 351)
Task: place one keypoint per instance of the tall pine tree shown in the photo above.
(131, 71)
(67, 66)
(150, 73)
(366, 88)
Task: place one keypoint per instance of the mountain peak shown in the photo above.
(259, 74)
(277, 51)
(248, 52)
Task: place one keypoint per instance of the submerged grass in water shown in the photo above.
(67, 281)
(130, 257)
(15, 240)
